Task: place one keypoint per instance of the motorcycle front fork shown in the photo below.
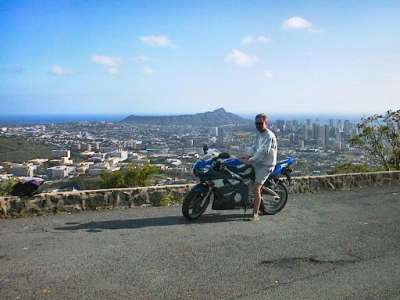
(269, 191)
(264, 189)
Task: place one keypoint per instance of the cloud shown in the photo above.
(240, 58)
(148, 71)
(297, 23)
(141, 58)
(250, 40)
(57, 70)
(108, 61)
(157, 41)
(268, 74)
(112, 63)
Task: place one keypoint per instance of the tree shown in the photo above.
(6, 186)
(112, 180)
(136, 176)
(350, 168)
(131, 176)
(379, 137)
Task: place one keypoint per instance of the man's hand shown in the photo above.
(246, 161)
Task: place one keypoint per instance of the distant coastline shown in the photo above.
(48, 119)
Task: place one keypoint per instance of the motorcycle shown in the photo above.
(225, 181)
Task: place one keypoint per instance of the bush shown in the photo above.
(6, 186)
(168, 199)
(379, 137)
(351, 168)
(131, 176)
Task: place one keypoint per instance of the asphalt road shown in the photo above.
(337, 245)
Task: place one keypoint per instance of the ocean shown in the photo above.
(47, 119)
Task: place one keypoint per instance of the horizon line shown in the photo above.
(181, 113)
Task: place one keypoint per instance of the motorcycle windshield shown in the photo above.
(282, 164)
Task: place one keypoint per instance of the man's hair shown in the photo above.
(262, 116)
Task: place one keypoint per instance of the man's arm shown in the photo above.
(261, 151)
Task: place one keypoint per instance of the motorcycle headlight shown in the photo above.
(201, 171)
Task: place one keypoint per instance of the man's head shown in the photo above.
(261, 122)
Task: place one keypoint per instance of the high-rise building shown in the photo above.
(292, 138)
(305, 132)
(338, 141)
(326, 136)
(220, 137)
(280, 124)
(323, 136)
(346, 127)
(339, 125)
(316, 131)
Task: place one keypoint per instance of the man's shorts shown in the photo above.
(262, 173)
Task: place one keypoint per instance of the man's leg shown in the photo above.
(257, 198)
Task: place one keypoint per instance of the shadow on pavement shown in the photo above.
(151, 222)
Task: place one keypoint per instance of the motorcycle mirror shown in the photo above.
(205, 149)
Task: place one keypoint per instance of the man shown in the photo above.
(263, 159)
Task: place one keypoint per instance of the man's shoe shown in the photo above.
(254, 218)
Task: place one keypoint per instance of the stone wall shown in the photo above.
(172, 194)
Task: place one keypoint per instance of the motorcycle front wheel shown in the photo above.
(271, 206)
(195, 204)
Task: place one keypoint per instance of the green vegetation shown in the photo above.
(18, 149)
(351, 168)
(81, 183)
(130, 176)
(76, 156)
(379, 137)
(6, 186)
(168, 199)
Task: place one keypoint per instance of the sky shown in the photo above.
(144, 57)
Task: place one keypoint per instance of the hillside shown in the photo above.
(212, 118)
(19, 149)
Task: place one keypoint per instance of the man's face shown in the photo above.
(261, 125)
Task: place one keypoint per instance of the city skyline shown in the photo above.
(10, 119)
(168, 57)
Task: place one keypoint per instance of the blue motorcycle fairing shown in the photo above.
(233, 162)
(205, 165)
(200, 187)
(281, 165)
(201, 164)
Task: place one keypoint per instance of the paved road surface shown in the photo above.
(322, 246)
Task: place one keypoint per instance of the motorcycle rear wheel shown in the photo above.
(195, 204)
(270, 206)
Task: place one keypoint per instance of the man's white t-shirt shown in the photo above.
(265, 149)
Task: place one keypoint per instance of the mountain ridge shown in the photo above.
(216, 117)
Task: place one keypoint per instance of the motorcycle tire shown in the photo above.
(272, 207)
(195, 204)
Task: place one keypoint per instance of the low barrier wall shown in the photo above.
(171, 194)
